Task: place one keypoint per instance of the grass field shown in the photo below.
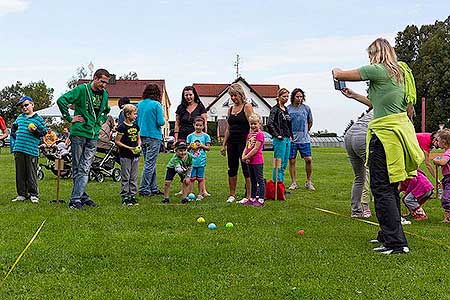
(156, 251)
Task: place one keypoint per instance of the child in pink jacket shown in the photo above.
(417, 191)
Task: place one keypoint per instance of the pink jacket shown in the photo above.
(418, 185)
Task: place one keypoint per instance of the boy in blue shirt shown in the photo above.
(30, 128)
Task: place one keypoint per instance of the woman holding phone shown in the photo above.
(394, 153)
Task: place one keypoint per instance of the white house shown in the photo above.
(217, 101)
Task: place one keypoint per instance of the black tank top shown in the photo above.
(238, 127)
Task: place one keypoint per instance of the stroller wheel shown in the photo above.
(116, 175)
(40, 174)
(99, 177)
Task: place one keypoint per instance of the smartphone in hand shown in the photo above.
(339, 84)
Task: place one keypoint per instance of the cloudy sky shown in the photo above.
(290, 43)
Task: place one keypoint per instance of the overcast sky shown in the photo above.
(290, 43)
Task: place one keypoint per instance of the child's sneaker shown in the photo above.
(126, 201)
(366, 211)
(419, 214)
(309, 186)
(184, 200)
(199, 198)
(165, 201)
(179, 193)
(258, 202)
(206, 194)
(133, 200)
(34, 199)
(246, 201)
(231, 199)
(447, 216)
(19, 198)
(293, 186)
(356, 215)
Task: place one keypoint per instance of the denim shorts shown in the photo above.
(304, 149)
(197, 173)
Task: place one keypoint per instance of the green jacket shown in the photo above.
(81, 98)
(403, 153)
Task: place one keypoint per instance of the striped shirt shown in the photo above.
(27, 142)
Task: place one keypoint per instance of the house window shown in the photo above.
(264, 120)
(215, 119)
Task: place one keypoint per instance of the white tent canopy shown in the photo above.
(53, 112)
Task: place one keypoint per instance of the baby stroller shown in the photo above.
(104, 165)
(52, 154)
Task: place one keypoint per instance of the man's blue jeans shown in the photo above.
(150, 150)
(83, 151)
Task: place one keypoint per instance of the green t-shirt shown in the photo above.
(387, 96)
(176, 161)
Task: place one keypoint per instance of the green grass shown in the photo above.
(156, 251)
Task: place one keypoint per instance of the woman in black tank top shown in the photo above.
(234, 140)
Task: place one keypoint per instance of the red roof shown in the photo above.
(129, 88)
(214, 89)
(209, 89)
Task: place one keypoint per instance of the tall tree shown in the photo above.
(427, 52)
(41, 94)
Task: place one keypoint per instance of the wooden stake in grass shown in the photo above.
(59, 165)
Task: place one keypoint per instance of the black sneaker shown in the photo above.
(401, 250)
(90, 203)
(184, 200)
(157, 192)
(75, 205)
(124, 200)
(165, 200)
(144, 194)
(133, 200)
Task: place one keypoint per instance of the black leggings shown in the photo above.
(386, 196)
(234, 153)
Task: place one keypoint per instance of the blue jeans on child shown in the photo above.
(281, 149)
(83, 151)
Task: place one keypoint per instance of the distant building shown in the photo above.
(217, 101)
(133, 89)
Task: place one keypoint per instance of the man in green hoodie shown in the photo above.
(90, 102)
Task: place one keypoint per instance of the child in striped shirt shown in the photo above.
(30, 128)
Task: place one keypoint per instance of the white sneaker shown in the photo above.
(310, 186)
(34, 199)
(293, 186)
(179, 193)
(231, 199)
(206, 194)
(374, 241)
(243, 201)
(19, 198)
(199, 198)
(405, 222)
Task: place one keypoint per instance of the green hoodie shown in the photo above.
(81, 98)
